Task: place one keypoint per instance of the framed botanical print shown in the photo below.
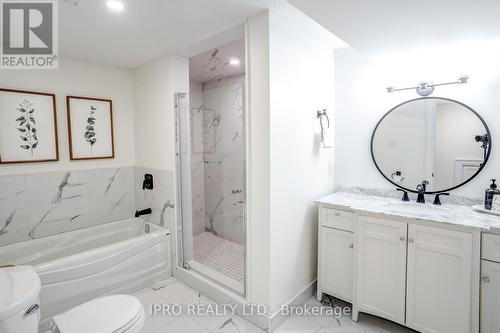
(28, 127)
(90, 128)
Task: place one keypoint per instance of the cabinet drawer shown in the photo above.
(335, 218)
(491, 247)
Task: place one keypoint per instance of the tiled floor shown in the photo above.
(175, 292)
(220, 254)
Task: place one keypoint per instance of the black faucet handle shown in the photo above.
(421, 193)
(405, 194)
(147, 183)
(146, 211)
(437, 201)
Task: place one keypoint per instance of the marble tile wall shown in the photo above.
(196, 116)
(44, 204)
(38, 205)
(218, 158)
(160, 199)
(13, 210)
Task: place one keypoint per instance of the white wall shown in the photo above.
(83, 79)
(291, 72)
(154, 87)
(302, 82)
(258, 161)
(361, 100)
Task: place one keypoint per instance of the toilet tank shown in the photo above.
(19, 300)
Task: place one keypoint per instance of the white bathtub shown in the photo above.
(80, 265)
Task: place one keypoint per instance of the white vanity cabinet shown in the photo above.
(336, 262)
(415, 275)
(421, 274)
(335, 256)
(490, 297)
(490, 284)
(381, 267)
(439, 280)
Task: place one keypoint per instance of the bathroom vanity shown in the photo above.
(435, 269)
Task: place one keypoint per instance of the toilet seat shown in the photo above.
(110, 314)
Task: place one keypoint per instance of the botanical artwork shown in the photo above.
(28, 128)
(90, 126)
(27, 125)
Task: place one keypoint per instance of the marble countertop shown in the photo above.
(447, 213)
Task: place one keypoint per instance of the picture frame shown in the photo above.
(90, 128)
(28, 127)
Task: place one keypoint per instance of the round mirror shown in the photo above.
(438, 142)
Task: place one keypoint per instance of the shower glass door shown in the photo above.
(211, 182)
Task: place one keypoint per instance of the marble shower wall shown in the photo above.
(197, 158)
(218, 157)
(38, 205)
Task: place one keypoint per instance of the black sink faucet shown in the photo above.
(421, 188)
(405, 194)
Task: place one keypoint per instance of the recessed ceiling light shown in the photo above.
(115, 5)
(234, 61)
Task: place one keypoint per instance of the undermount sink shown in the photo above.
(416, 208)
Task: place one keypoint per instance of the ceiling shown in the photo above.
(376, 28)
(214, 63)
(146, 29)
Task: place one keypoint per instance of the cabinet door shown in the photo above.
(381, 267)
(439, 283)
(490, 297)
(335, 263)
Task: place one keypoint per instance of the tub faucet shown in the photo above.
(143, 212)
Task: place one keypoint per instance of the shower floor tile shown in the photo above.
(219, 254)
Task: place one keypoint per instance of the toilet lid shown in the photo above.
(110, 314)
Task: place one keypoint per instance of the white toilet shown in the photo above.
(20, 310)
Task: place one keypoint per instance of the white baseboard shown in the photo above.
(224, 296)
(277, 318)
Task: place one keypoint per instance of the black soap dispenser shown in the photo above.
(490, 194)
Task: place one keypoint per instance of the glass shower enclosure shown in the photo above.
(211, 181)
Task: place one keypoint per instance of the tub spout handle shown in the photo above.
(146, 211)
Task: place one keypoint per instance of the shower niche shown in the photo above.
(211, 164)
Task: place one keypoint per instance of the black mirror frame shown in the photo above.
(444, 99)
